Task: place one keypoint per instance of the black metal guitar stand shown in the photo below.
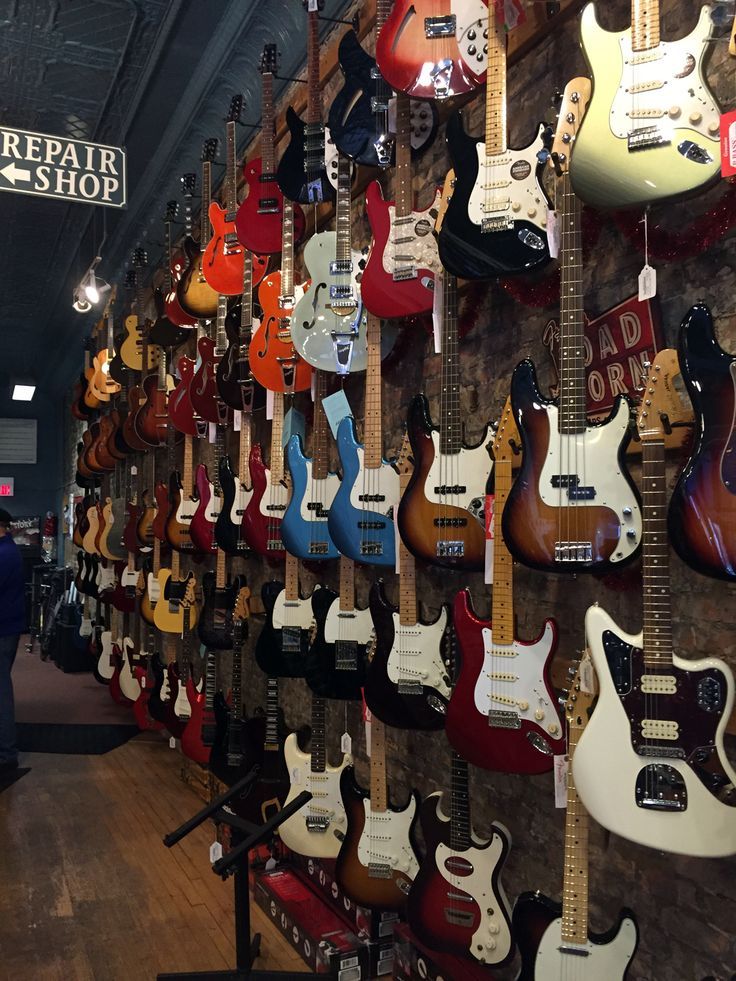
(245, 836)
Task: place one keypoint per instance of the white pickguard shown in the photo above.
(663, 99)
(471, 31)
(706, 827)
(416, 654)
(274, 498)
(153, 588)
(292, 613)
(106, 578)
(129, 685)
(602, 961)
(326, 801)
(420, 251)
(165, 691)
(468, 468)
(385, 839)
(243, 495)
(185, 511)
(105, 667)
(182, 708)
(507, 188)
(321, 491)
(382, 480)
(352, 624)
(213, 506)
(593, 456)
(85, 627)
(515, 672)
(492, 940)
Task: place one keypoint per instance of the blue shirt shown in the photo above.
(12, 589)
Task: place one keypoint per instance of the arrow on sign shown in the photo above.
(12, 173)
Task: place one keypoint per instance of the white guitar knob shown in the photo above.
(523, 704)
(531, 212)
(516, 207)
(539, 715)
(491, 945)
(553, 729)
(695, 118)
(674, 112)
(714, 128)
(494, 928)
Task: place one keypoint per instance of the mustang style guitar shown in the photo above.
(361, 517)
(313, 487)
(554, 938)
(434, 50)
(283, 642)
(457, 903)
(660, 718)
(195, 295)
(302, 174)
(215, 625)
(319, 827)
(378, 858)
(702, 514)
(652, 130)
(398, 280)
(172, 324)
(328, 323)
(503, 710)
(497, 211)
(258, 221)
(266, 507)
(573, 507)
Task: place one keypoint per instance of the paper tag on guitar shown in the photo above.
(489, 514)
(336, 407)
(269, 404)
(728, 144)
(553, 233)
(215, 852)
(212, 432)
(437, 308)
(647, 282)
(237, 420)
(346, 743)
(561, 765)
(587, 675)
(172, 743)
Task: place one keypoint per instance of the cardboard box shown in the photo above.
(415, 962)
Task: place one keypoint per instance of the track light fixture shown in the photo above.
(90, 289)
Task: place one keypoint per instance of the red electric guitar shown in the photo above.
(181, 411)
(209, 502)
(262, 518)
(195, 741)
(203, 392)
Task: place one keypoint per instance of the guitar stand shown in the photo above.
(245, 835)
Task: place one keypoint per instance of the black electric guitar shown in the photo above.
(215, 625)
(284, 641)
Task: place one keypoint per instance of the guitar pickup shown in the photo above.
(450, 522)
(231, 238)
(371, 525)
(342, 293)
(372, 498)
(338, 266)
(268, 206)
(406, 272)
(440, 26)
(378, 105)
(450, 489)
(499, 223)
(274, 545)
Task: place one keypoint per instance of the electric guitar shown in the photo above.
(203, 392)
(434, 50)
(457, 903)
(233, 376)
(301, 173)
(215, 627)
(152, 593)
(304, 527)
(180, 409)
(164, 696)
(496, 218)
(573, 507)
(554, 938)
(193, 744)
(195, 295)
(266, 507)
(398, 280)
(653, 128)
(236, 493)
(178, 260)
(209, 506)
(181, 504)
(172, 324)
(282, 644)
(660, 718)
(378, 858)
(702, 512)
(498, 717)
(177, 604)
(131, 347)
(258, 221)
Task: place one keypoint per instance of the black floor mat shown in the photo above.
(10, 777)
(92, 740)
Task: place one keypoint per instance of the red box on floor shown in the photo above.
(415, 962)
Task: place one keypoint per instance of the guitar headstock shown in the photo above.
(172, 209)
(129, 280)
(661, 403)
(241, 611)
(507, 435)
(447, 189)
(209, 150)
(139, 258)
(235, 110)
(579, 701)
(269, 60)
(313, 8)
(188, 185)
(572, 109)
(404, 461)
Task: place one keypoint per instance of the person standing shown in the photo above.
(12, 625)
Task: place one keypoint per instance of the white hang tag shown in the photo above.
(392, 114)
(269, 404)
(647, 282)
(336, 407)
(397, 542)
(133, 471)
(313, 386)
(211, 432)
(313, 6)
(367, 716)
(215, 852)
(172, 743)
(237, 420)
(346, 743)
(587, 675)
(271, 864)
(561, 765)
(143, 681)
(490, 525)
(437, 307)
(553, 233)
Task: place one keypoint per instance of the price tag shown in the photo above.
(269, 404)
(397, 542)
(346, 743)
(313, 6)
(367, 716)
(237, 420)
(143, 681)
(215, 852)
(392, 114)
(211, 432)
(313, 386)
(294, 425)
(172, 743)
(553, 233)
(728, 144)
(511, 13)
(561, 765)
(490, 524)
(437, 308)
(647, 282)
(336, 407)
(587, 675)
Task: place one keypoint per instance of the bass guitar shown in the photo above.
(282, 644)
(195, 295)
(236, 493)
(265, 509)
(209, 506)
(180, 409)
(181, 504)
(203, 392)
(660, 719)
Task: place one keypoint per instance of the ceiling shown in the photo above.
(154, 76)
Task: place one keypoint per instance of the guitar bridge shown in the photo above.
(573, 551)
(646, 138)
(371, 548)
(318, 548)
(500, 223)
(346, 655)
(660, 787)
(291, 640)
(379, 870)
(503, 720)
(450, 549)
(317, 823)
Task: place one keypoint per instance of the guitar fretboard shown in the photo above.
(495, 136)
(502, 616)
(573, 412)
(407, 573)
(343, 220)
(291, 578)
(575, 879)
(287, 249)
(379, 790)
(210, 682)
(314, 96)
(656, 556)
(402, 180)
(231, 180)
(272, 715)
(451, 437)
(268, 152)
(318, 763)
(372, 436)
(221, 334)
(276, 463)
(320, 456)
(347, 583)
(237, 682)
(204, 215)
(459, 805)
(644, 24)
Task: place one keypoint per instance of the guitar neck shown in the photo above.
(451, 437)
(644, 24)
(175, 565)
(237, 682)
(318, 762)
(291, 578)
(221, 569)
(656, 557)
(231, 183)
(268, 150)
(221, 334)
(407, 574)
(496, 86)
(276, 462)
(244, 444)
(210, 681)
(372, 437)
(404, 193)
(347, 584)
(343, 249)
(188, 468)
(379, 790)
(156, 556)
(271, 743)
(575, 879)
(573, 413)
(287, 250)
(204, 216)
(383, 9)
(314, 95)
(502, 616)
(320, 457)
(460, 827)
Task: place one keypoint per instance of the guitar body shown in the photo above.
(282, 653)
(215, 627)
(335, 664)
(391, 287)
(407, 684)
(166, 332)
(191, 738)
(180, 410)
(116, 446)
(147, 515)
(262, 518)
(131, 437)
(363, 534)
(304, 528)
(385, 839)
(131, 347)
(433, 67)
(195, 295)
(478, 925)
(295, 182)
(234, 383)
(143, 718)
(550, 520)
(152, 420)
(89, 539)
(674, 159)
(203, 392)
(105, 663)
(545, 956)
(259, 217)
(168, 615)
(702, 511)
(313, 321)
(102, 447)
(162, 709)
(172, 309)
(680, 799)
(510, 246)
(118, 595)
(522, 740)
(181, 512)
(223, 259)
(130, 531)
(442, 512)
(202, 527)
(129, 685)
(229, 533)
(274, 361)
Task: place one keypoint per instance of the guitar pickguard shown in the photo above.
(507, 190)
(415, 660)
(385, 845)
(411, 246)
(610, 960)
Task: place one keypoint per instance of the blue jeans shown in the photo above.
(8, 647)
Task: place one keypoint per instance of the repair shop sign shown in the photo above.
(55, 167)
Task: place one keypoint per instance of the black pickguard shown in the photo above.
(292, 177)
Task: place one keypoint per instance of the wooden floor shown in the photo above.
(87, 890)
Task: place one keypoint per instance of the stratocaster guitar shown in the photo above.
(660, 718)
(573, 507)
(652, 131)
(181, 504)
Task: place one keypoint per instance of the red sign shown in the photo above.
(6, 490)
(728, 144)
(617, 345)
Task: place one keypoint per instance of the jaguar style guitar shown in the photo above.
(653, 128)
(215, 627)
(328, 323)
(195, 295)
(177, 603)
(172, 325)
(407, 683)
(181, 504)
(457, 903)
(283, 642)
(702, 513)
(313, 487)
(554, 938)
(498, 718)
(497, 212)
(573, 507)
(318, 828)
(660, 718)
(265, 509)
(302, 174)
(361, 517)
(378, 858)
(236, 493)
(398, 280)
(258, 221)
(434, 50)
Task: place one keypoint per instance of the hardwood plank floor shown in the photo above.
(87, 890)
